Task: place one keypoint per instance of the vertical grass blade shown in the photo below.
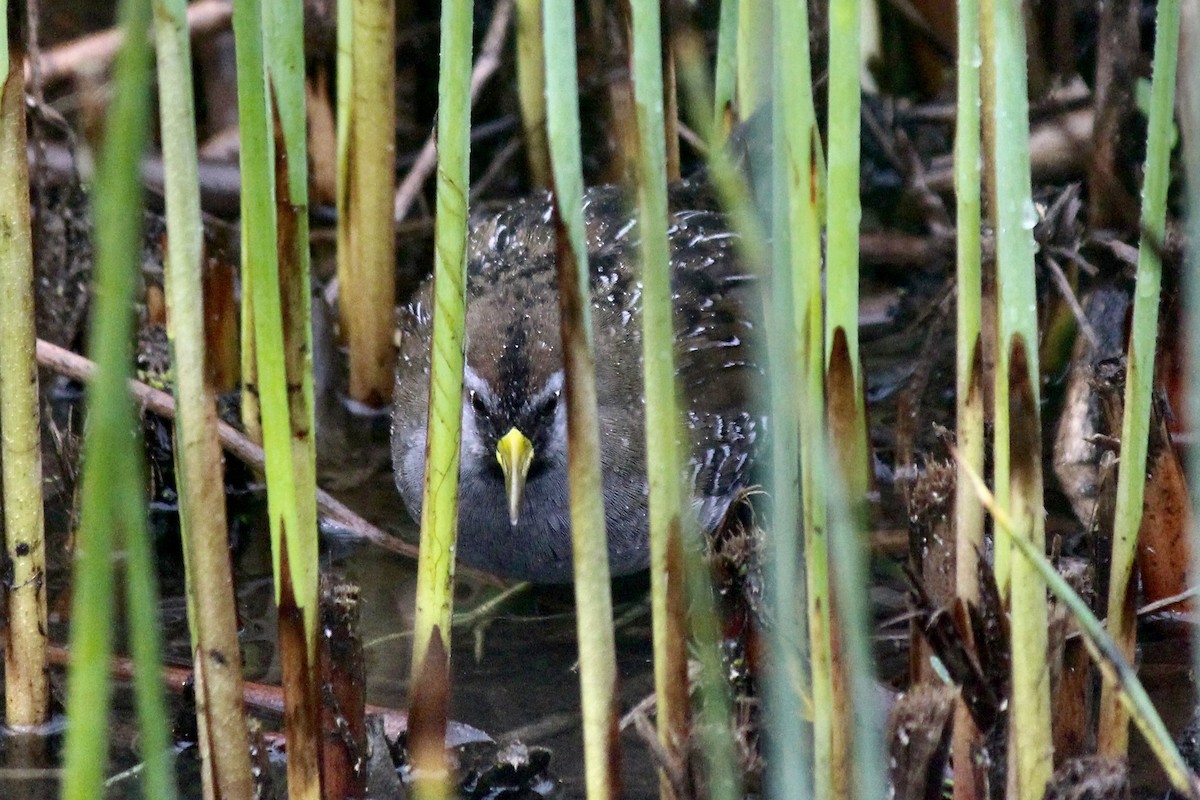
(1139, 370)
(715, 717)
(1018, 479)
(366, 185)
(968, 512)
(212, 610)
(439, 519)
(274, 218)
(113, 505)
(754, 45)
(725, 75)
(593, 603)
(658, 371)
(26, 685)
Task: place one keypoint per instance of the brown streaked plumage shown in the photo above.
(514, 378)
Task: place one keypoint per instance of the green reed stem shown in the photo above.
(113, 508)
(842, 218)
(275, 270)
(1139, 370)
(715, 715)
(1018, 480)
(212, 609)
(969, 411)
(593, 603)
(26, 683)
(798, 177)
(439, 519)
(658, 369)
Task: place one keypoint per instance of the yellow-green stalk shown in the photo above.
(658, 371)
(274, 216)
(968, 512)
(843, 214)
(113, 506)
(1018, 480)
(212, 608)
(846, 402)
(714, 713)
(593, 603)
(439, 519)
(366, 184)
(26, 683)
(798, 175)
(1139, 369)
(531, 90)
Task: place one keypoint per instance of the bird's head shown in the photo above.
(519, 428)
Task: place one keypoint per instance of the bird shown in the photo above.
(514, 505)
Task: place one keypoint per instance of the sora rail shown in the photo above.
(514, 514)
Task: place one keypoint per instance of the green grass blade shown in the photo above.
(113, 508)
(597, 659)
(658, 369)
(1139, 370)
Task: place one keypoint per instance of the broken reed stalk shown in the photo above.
(1189, 127)
(844, 383)
(968, 513)
(1135, 424)
(798, 194)
(589, 543)
(366, 236)
(1018, 475)
(531, 90)
(212, 608)
(663, 463)
(715, 714)
(344, 688)
(867, 774)
(275, 271)
(113, 506)
(1106, 653)
(26, 682)
(430, 676)
(725, 114)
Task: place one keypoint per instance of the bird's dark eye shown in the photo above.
(478, 404)
(549, 405)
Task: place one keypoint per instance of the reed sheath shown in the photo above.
(26, 683)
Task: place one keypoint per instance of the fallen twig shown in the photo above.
(485, 66)
(350, 524)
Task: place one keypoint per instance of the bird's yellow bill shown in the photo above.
(514, 451)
